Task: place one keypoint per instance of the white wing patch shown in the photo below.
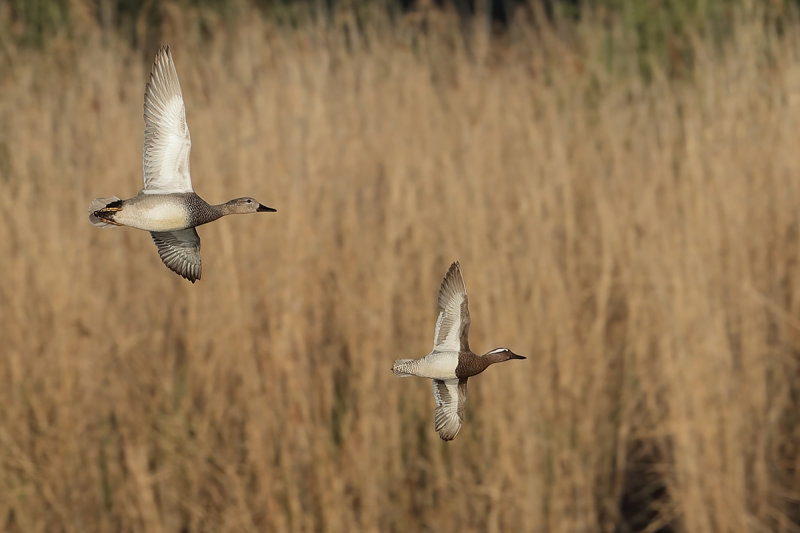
(167, 143)
(452, 324)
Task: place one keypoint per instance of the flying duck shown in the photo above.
(167, 206)
(451, 362)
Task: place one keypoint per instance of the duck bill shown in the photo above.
(264, 209)
(517, 356)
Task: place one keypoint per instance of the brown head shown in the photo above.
(498, 355)
(245, 205)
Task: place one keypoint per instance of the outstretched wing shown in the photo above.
(167, 144)
(450, 396)
(452, 325)
(180, 251)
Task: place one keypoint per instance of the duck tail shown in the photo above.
(101, 209)
(402, 368)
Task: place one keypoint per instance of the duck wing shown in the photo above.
(167, 144)
(450, 396)
(452, 325)
(180, 251)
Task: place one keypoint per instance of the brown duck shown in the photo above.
(451, 362)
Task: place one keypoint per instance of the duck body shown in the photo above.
(451, 362)
(160, 212)
(435, 365)
(443, 365)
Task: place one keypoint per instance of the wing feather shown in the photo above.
(180, 251)
(451, 397)
(452, 324)
(167, 143)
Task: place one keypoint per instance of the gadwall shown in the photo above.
(167, 206)
(451, 362)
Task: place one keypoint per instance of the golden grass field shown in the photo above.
(638, 241)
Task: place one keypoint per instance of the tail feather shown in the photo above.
(402, 368)
(97, 205)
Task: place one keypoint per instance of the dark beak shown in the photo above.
(264, 209)
(516, 356)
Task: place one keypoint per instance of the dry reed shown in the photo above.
(638, 241)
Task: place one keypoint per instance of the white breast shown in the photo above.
(439, 365)
(154, 216)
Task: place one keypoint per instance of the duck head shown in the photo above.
(246, 205)
(498, 355)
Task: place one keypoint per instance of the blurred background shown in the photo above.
(620, 180)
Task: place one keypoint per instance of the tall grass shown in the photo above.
(638, 241)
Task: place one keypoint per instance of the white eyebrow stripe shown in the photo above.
(498, 350)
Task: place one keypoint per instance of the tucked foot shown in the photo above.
(101, 211)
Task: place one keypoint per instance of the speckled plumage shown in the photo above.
(471, 364)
